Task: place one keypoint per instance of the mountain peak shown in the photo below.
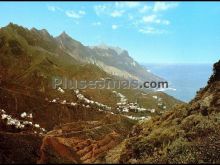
(13, 26)
(45, 32)
(64, 35)
(34, 29)
(117, 49)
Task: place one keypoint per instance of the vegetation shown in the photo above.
(185, 134)
(85, 126)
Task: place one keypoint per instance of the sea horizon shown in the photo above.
(184, 79)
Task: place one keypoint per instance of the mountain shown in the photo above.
(187, 134)
(32, 57)
(41, 124)
(112, 60)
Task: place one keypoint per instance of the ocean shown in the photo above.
(184, 79)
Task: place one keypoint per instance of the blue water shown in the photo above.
(184, 79)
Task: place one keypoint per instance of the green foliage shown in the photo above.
(176, 137)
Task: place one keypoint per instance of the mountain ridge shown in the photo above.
(42, 120)
(113, 60)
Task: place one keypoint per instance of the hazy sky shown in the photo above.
(151, 31)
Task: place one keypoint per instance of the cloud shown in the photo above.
(150, 24)
(164, 22)
(150, 18)
(154, 19)
(99, 9)
(151, 30)
(115, 9)
(117, 13)
(75, 14)
(137, 15)
(114, 27)
(109, 10)
(96, 23)
(127, 4)
(161, 6)
(145, 8)
(81, 12)
(53, 8)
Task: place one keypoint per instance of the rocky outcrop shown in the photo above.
(81, 142)
(75, 150)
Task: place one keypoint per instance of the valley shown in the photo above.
(40, 124)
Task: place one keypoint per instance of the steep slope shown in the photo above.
(115, 58)
(112, 60)
(32, 57)
(83, 142)
(187, 134)
(30, 108)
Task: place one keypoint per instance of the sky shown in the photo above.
(152, 32)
